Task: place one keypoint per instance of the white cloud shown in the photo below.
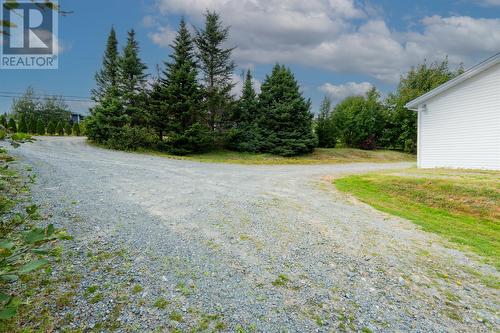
(339, 92)
(163, 36)
(339, 35)
(489, 2)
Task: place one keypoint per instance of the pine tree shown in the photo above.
(107, 77)
(40, 127)
(325, 128)
(245, 136)
(217, 68)
(76, 129)
(51, 128)
(23, 127)
(12, 125)
(60, 129)
(286, 121)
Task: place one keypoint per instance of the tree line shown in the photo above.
(189, 106)
(33, 115)
(368, 122)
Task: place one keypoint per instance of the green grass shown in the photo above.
(319, 156)
(462, 206)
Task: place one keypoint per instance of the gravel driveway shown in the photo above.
(171, 245)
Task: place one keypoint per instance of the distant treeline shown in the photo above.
(32, 115)
(190, 107)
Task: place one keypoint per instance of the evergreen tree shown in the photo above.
(107, 77)
(132, 81)
(23, 127)
(76, 129)
(32, 124)
(107, 120)
(326, 130)
(3, 121)
(245, 136)
(60, 129)
(286, 122)
(12, 125)
(217, 67)
(67, 129)
(40, 127)
(180, 93)
(51, 128)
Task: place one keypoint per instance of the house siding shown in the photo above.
(461, 127)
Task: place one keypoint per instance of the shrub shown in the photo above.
(197, 139)
(12, 125)
(40, 127)
(67, 129)
(76, 129)
(59, 128)
(23, 127)
(51, 128)
(131, 138)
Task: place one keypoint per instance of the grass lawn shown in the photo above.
(320, 156)
(463, 206)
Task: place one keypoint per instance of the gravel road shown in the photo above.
(172, 246)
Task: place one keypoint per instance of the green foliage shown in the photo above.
(12, 125)
(360, 120)
(51, 128)
(196, 139)
(326, 130)
(3, 120)
(130, 138)
(67, 129)
(217, 67)
(40, 127)
(107, 118)
(49, 108)
(245, 136)
(107, 77)
(32, 124)
(401, 126)
(59, 128)
(76, 129)
(286, 122)
(23, 127)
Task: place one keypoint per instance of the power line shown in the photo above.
(69, 98)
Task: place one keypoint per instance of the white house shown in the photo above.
(459, 121)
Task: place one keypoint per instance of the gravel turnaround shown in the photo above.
(173, 246)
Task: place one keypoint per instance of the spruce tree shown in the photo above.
(12, 125)
(325, 128)
(67, 129)
(133, 81)
(76, 129)
(40, 127)
(23, 127)
(181, 95)
(245, 136)
(286, 122)
(51, 128)
(60, 128)
(217, 68)
(32, 124)
(107, 77)
(3, 121)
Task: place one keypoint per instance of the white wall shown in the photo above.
(461, 127)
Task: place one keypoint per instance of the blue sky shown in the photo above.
(335, 47)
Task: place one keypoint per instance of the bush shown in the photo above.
(40, 127)
(59, 128)
(23, 127)
(51, 128)
(67, 129)
(12, 125)
(76, 129)
(131, 138)
(197, 139)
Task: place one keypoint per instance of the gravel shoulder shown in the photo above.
(177, 245)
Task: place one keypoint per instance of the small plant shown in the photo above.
(90, 290)
(161, 303)
(96, 298)
(176, 316)
(281, 281)
(137, 289)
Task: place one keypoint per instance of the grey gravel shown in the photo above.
(248, 248)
